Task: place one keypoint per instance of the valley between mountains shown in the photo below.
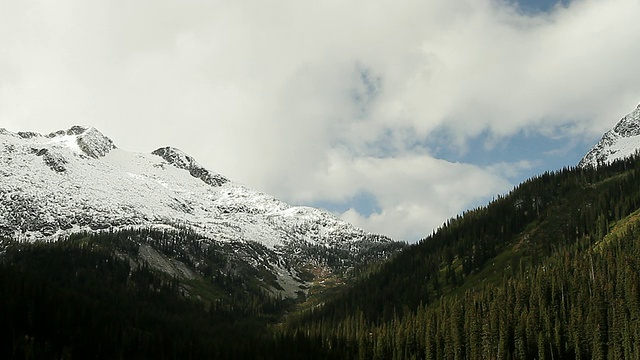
(112, 254)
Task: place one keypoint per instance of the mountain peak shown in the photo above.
(621, 141)
(88, 139)
(182, 160)
(629, 125)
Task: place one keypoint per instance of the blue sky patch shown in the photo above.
(537, 6)
(543, 152)
(364, 202)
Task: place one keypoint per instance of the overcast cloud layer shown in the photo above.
(327, 101)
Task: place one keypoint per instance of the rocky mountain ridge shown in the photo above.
(77, 180)
(621, 141)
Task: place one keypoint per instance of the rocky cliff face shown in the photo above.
(620, 142)
(183, 161)
(77, 180)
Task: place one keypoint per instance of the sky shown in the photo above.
(393, 115)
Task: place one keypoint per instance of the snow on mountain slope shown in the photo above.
(78, 180)
(620, 142)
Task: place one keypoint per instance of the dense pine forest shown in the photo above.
(549, 271)
(79, 298)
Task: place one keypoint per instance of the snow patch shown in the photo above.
(69, 141)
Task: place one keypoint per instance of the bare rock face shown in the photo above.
(620, 142)
(179, 159)
(91, 141)
(54, 160)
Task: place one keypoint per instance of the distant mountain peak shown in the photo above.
(630, 124)
(181, 160)
(88, 139)
(622, 141)
(56, 148)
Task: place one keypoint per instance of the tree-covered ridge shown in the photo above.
(94, 295)
(528, 276)
(81, 298)
(581, 303)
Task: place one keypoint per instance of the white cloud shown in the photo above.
(416, 192)
(316, 101)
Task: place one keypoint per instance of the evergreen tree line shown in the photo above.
(79, 298)
(528, 276)
(581, 303)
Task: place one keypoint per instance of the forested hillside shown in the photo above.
(550, 271)
(78, 299)
(92, 297)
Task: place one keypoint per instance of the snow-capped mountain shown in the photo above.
(620, 142)
(77, 180)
